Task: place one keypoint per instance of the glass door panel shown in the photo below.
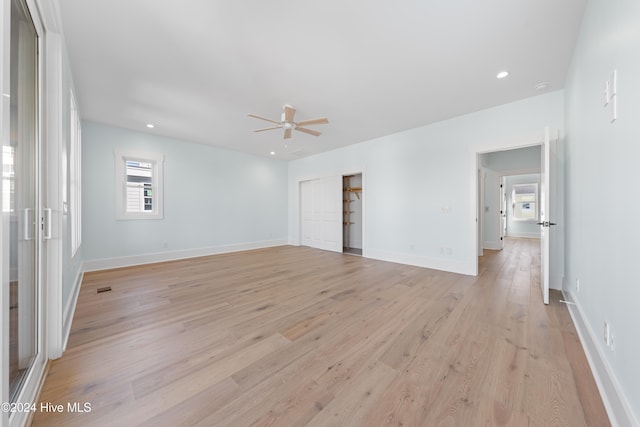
(20, 192)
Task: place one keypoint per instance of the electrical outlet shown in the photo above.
(607, 333)
(578, 285)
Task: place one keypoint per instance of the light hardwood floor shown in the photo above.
(293, 336)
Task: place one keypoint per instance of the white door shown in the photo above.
(503, 211)
(306, 212)
(21, 210)
(321, 213)
(547, 210)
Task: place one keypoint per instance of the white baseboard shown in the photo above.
(70, 308)
(492, 246)
(615, 402)
(128, 261)
(453, 266)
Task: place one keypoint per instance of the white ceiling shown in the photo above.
(196, 68)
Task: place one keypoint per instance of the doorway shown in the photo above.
(549, 166)
(352, 214)
(497, 168)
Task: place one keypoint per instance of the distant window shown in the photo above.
(8, 179)
(138, 185)
(525, 202)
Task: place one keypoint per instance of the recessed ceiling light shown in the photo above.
(542, 86)
(273, 153)
(150, 125)
(502, 74)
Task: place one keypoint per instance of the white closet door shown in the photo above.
(321, 213)
(306, 213)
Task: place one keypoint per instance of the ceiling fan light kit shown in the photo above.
(288, 124)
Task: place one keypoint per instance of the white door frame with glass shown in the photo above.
(25, 221)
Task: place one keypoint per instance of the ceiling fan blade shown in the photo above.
(289, 111)
(262, 130)
(262, 118)
(320, 121)
(287, 133)
(309, 131)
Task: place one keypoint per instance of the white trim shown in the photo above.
(70, 309)
(52, 254)
(453, 266)
(5, 87)
(30, 391)
(74, 161)
(617, 405)
(109, 263)
(49, 11)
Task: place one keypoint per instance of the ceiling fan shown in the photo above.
(286, 122)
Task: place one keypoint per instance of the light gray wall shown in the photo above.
(212, 197)
(602, 172)
(419, 185)
(521, 228)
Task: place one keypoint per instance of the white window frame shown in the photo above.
(536, 202)
(75, 175)
(157, 162)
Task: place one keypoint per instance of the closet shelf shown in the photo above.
(356, 190)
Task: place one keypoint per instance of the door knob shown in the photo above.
(546, 223)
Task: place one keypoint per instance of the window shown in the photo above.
(525, 202)
(75, 202)
(138, 185)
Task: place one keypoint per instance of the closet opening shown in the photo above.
(352, 214)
